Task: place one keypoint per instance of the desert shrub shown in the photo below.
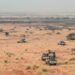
(22, 58)
(28, 67)
(1, 30)
(71, 36)
(40, 29)
(66, 62)
(44, 70)
(6, 33)
(17, 58)
(27, 29)
(69, 29)
(35, 67)
(5, 61)
(26, 49)
(39, 73)
(58, 33)
(49, 33)
(72, 59)
(9, 54)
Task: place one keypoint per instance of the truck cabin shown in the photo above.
(61, 43)
(49, 58)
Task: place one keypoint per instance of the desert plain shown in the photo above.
(25, 58)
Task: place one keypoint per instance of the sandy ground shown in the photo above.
(25, 58)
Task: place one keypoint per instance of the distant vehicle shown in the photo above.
(49, 58)
(22, 41)
(73, 51)
(71, 36)
(62, 43)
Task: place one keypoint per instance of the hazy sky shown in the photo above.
(38, 6)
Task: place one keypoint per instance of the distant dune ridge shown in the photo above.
(68, 21)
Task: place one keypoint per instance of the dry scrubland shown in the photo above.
(25, 58)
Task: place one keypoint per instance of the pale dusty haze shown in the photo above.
(38, 6)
